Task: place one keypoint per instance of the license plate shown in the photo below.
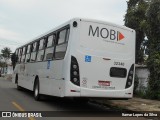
(104, 83)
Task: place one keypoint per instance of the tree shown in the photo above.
(2, 64)
(14, 59)
(134, 19)
(144, 17)
(6, 53)
(153, 33)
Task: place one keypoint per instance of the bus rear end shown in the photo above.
(105, 57)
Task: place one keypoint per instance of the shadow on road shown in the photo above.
(68, 104)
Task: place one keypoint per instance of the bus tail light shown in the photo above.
(74, 72)
(130, 77)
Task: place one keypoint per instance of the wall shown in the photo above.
(142, 73)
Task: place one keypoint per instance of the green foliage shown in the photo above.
(134, 19)
(2, 64)
(153, 34)
(6, 53)
(140, 56)
(14, 59)
(144, 17)
(141, 92)
(153, 25)
(132, 3)
(154, 79)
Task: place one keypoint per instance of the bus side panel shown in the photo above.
(50, 77)
(72, 45)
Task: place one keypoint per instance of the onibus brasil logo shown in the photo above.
(106, 33)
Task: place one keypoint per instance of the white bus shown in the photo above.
(81, 58)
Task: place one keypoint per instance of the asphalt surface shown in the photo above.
(12, 99)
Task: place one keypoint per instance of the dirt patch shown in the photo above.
(134, 104)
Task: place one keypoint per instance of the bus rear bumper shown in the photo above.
(126, 93)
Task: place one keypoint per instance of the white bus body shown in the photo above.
(98, 61)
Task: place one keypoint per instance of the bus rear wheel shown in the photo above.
(36, 91)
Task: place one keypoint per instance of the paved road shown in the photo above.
(13, 100)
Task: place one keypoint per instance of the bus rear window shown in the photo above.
(118, 72)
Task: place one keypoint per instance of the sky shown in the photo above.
(23, 20)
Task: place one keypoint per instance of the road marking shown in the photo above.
(21, 109)
(18, 106)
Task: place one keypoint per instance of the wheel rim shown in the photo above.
(36, 90)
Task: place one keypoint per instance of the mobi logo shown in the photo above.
(105, 33)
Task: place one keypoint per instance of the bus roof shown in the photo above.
(74, 19)
(108, 23)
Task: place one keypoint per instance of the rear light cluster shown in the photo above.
(74, 72)
(130, 77)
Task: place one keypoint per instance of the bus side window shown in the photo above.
(50, 40)
(61, 47)
(28, 53)
(19, 55)
(60, 51)
(62, 36)
(40, 54)
(41, 44)
(23, 55)
(50, 48)
(33, 52)
(67, 35)
(16, 52)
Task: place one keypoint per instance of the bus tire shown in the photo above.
(18, 87)
(36, 90)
